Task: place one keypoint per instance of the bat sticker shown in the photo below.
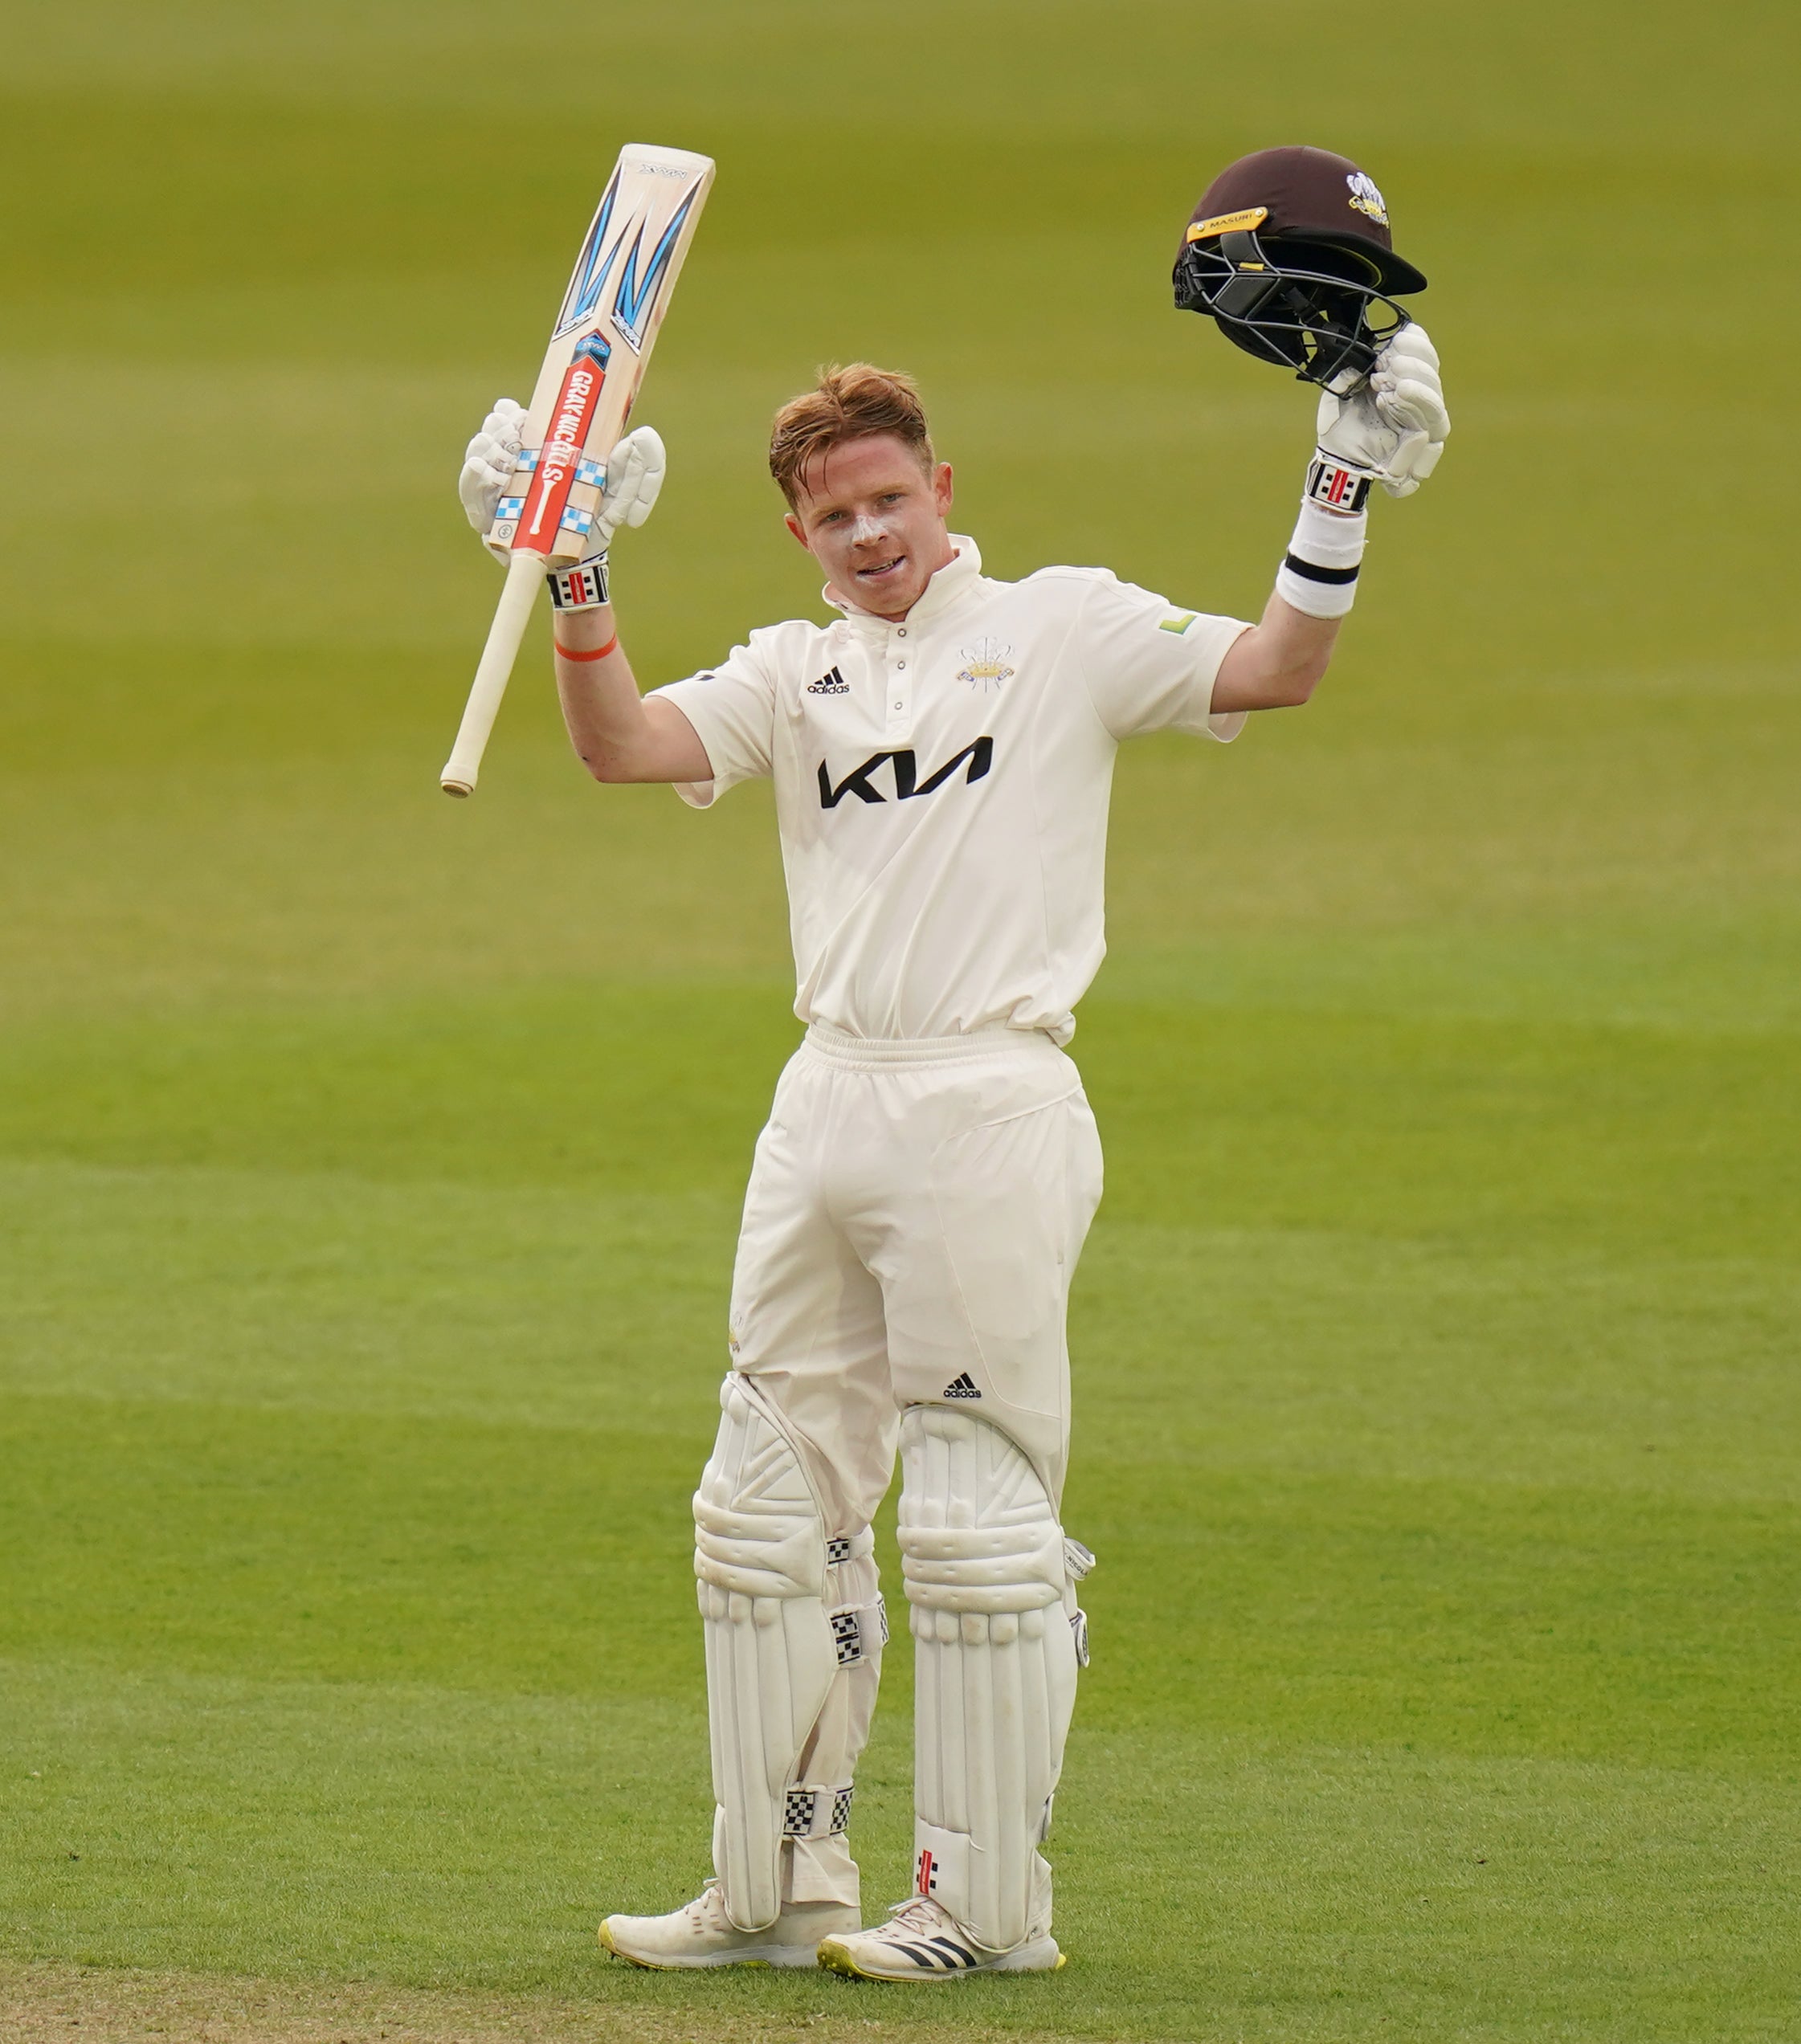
(636, 295)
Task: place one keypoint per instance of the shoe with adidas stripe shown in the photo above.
(920, 1940)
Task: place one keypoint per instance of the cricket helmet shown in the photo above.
(1289, 253)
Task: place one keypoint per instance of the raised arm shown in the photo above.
(1391, 430)
(1278, 664)
(617, 735)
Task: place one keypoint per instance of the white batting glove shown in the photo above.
(488, 462)
(634, 472)
(633, 480)
(1392, 428)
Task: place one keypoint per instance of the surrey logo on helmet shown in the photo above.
(1365, 198)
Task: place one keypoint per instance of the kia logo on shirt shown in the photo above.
(980, 757)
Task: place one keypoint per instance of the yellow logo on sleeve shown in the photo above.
(1179, 623)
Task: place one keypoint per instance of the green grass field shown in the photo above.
(369, 1163)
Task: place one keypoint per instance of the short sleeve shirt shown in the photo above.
(942, 785)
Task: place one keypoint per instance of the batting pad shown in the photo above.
(760, 1554)
(995, 1670)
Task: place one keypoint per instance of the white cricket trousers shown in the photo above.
(912, 1222)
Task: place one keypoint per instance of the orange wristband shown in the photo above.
(600, 653)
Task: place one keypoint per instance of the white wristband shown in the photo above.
(582, 587)
(1319, 575)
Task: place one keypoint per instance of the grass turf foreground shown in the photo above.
(369, 1166)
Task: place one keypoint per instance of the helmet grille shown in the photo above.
(1308, 306)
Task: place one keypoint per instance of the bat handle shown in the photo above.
(524, 574)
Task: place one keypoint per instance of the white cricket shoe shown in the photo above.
(921, 1941)
(703, 1934)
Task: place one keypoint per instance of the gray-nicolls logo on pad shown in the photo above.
(829, 684)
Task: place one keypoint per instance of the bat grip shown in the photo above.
(524, 574)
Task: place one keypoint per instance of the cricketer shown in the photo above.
(942, 754)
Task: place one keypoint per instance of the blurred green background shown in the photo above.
(370, 1162)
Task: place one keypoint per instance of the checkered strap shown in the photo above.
(808, 1812)
(860, 1632)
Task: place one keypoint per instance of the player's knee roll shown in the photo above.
(758, 1533)
(977, 1532)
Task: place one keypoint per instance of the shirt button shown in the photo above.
(899, 666)
(901, 633)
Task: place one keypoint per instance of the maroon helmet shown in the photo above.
(1289, 252)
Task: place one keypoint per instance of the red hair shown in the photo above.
(851, 403)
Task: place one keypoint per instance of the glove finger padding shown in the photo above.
(1392, 428)
(479, 486)
(1402, 474)
(506, 423)
(1412, 345)
(488, 462)
(635, 472)
(1410, 404)
(1409, 392)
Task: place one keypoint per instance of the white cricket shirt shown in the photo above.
(942, 785)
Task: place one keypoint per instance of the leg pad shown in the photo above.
(794, 1628)
(990, 1595)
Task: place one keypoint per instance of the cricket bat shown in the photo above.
(600, 349)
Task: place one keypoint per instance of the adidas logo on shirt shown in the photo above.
(963, 1387)
(829, 684)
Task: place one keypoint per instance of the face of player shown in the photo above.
(874, 518)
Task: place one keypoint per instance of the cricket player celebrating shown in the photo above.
(942, 753)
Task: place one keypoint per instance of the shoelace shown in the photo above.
(918, 1913)
(707, 1903)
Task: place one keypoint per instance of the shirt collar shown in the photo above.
(949, 583)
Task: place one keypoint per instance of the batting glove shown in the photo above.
(1392, 428)
(634, 472)
(633, 480)
(487, 463)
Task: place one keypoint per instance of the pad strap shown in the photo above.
(859, 1634)
(810, 1812)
